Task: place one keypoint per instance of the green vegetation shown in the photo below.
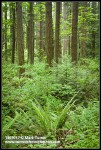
(38, 104)
(50, 74)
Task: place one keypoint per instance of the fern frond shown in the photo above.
(42, 117)
(63, 117)
(7, 126)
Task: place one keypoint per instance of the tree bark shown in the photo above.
(70, 21)
(83, 30)
(93, 31)
(20, 38)
(6, 53)
(65, 39)
(57, 33)
(49, 35)
(41, 49)
(31, 34)
(11, 18)
(74, 32)
(13, 33)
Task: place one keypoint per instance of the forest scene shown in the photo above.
(50, 74)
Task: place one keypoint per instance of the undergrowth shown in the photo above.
(38, 104)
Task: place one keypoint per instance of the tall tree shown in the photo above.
(57, 33)
(13, 32)
(93, 29)
(6, 57)
(49, 34)
(98, 33)
(74, 32)
(31, 34)
(3, 28)
(11, 14)
(42, 31)
(20, 38)
(83, 30)
(70, 21)
(27, 41)
(40, 42)
(27, 31)
(65, 39)
(37, 26)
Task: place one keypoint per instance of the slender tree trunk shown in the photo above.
(74, 32)
(20, 38)
(49, 35)
(27, 28)
(31, 34)
(60, 29)
(3, 33)
(57, 33)
(6, 58)
(11, 15)
(44, 37)
(65, 39)
(28, 34)
(37, 34)
(83, 38)
(70, 21)
(98, 33)
(93, 30)
(31, 39)
(13, 33)
(41, 37)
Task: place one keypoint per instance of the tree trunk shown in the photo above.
(13, 33)
(65, 39)
(74, 32)
(44, 37)
(11, 19)
(27, 32)
(49, 35)
(93, 31)
(20, 38)
(70, 21)
(27, 45)
(6, 58)
(41, 36)
(27, 27)
(57, 33)
(83, 30)
(37, 35)
(31, 35)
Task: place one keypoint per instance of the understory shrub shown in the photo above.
(37, 103)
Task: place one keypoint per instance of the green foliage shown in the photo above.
(86, 126)
(45, 100)
(42, 102)
(89, 20)
(10, 122)
(63, 117)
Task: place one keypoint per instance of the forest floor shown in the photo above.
(59, 104)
